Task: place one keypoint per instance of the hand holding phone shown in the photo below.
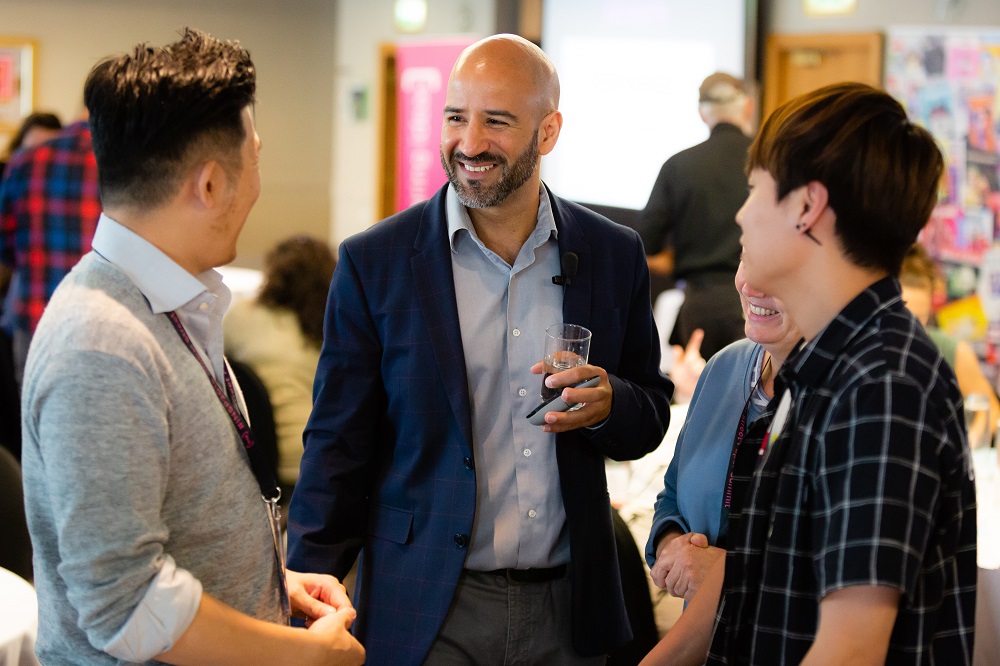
(556, 403)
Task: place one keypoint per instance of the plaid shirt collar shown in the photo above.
(810, 362)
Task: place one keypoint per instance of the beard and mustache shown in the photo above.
(475, 194)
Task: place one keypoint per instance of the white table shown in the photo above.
(633, 487)
(244, 283)
(987, 652)
(18, 621)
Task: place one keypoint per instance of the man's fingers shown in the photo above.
(346, 616)
(693, 347)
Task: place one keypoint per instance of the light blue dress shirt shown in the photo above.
(503, 312)
(200, 302)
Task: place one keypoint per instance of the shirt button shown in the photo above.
(532, 513)
(203, 307)
(461, 540)
(527, 453)
(522, 392)
(468, 463)
(516, 332)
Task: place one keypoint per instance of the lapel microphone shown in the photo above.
(569, 263)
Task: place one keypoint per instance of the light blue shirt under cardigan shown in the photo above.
(694, 482)
(200, 302)
(503, 312)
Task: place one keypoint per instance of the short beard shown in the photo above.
(477, 195)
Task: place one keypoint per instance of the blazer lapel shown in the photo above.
(576, 295)
(435, 289)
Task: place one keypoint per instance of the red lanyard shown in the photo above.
(258, 459)
(741, 432)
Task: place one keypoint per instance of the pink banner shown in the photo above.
(422, 71)
(8, 80)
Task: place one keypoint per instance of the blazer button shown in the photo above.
(468, 463)
(461, 540)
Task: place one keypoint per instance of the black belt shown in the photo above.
(524, 576)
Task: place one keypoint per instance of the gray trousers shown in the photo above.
(493, 622)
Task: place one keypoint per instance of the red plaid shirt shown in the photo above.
(49, 205)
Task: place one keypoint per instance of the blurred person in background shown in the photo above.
(279, 335)
(687, 226)
(49, 205)
(36, 128)
(919, 278)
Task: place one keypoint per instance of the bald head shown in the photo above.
(510, 60)
(501, 115)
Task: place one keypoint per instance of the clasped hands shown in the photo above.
(682, 562)
(323, 602)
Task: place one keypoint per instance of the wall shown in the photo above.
(361, 27)
(788, 16)
(292, 44)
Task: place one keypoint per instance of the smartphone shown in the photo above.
(557, 404)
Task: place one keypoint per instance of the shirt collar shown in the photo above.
(459, 220)
(161, 280)
(810, 362)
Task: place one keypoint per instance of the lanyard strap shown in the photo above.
(259, 463)
(741, 432)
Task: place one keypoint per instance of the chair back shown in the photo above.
(259, 409)
(15, 543)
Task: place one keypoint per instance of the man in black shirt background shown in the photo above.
(688, 226)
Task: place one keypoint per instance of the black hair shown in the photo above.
(31, 121)
(157, 110)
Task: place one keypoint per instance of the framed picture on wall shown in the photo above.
(17, 81)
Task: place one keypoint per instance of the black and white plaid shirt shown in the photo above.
(869, 482)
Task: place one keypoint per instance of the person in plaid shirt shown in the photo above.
(49, 205)
(857, 543)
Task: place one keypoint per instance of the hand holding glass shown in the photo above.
(566, 346)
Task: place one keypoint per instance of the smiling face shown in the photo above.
(495, 112)
(767, 324)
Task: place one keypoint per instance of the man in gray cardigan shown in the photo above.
(151, 538)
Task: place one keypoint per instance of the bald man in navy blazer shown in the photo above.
(482, 538)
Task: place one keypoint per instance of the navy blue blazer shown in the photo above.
(388, 466)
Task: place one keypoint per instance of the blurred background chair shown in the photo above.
(260, 412)
(15, 544)
(638, 602)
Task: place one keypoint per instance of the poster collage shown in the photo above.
(949, 82)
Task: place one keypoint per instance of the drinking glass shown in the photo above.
(566, 346)
(977, 420)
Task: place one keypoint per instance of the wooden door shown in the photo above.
(796, 64)
(385, 203)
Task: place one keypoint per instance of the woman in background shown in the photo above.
(279, 335)
(35, 129)
(918, 277)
